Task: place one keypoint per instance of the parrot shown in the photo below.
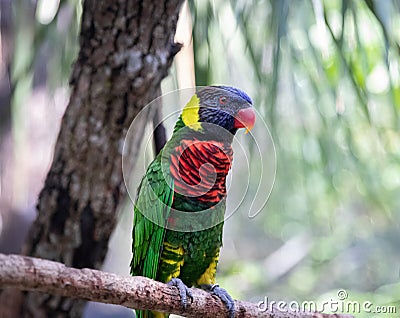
(181, 200)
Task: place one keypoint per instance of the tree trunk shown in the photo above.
(126, 48)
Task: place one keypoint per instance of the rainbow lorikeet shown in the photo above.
(179, 210)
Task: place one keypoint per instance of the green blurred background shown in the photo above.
(325, 75)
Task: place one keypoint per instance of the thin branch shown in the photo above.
(34, 274)
(159, 132)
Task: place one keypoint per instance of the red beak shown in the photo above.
(245, 118)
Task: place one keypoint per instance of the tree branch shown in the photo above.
(34, 274)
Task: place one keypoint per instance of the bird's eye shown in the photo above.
(222, 100)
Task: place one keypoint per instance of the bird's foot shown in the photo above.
(184, 291)
(222, 294)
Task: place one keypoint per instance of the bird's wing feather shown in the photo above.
(153, 203)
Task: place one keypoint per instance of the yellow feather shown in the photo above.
(178, 264)
(190, 113)
(208, 277)
(176, 249)
(171, 262)
(157, 314)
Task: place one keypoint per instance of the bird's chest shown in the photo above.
(199, 170)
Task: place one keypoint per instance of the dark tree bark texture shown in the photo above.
(126, 48)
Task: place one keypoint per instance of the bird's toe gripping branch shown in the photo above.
(222, 294)
(184, 291)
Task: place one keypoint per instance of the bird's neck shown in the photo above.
(204, 131)
(179, 124)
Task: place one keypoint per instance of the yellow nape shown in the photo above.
(208, 277)
(190, 113)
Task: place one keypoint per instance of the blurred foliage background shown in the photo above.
(325, 75)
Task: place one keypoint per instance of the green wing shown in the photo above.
(152, 208)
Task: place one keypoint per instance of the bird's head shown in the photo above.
(222, 106)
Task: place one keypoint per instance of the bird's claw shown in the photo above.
(222, 294)
(184, 291)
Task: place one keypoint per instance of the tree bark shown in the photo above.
(138, 292)
(126, 48)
